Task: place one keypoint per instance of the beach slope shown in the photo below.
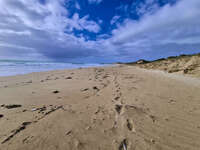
(118, 107)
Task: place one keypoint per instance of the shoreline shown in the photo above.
(106, 65)
(175, 75)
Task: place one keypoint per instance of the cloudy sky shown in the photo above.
(98, 30)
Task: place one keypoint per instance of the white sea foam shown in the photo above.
(13, 67)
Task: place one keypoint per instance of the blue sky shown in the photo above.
(98, 30)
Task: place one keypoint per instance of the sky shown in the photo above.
(98, 30)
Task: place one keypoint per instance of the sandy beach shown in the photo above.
(107, 108)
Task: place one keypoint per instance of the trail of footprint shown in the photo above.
(126, 114)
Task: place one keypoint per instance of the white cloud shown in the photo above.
(150, 6)
(170, 30)
(44, 28)
(95, 1)
(77, 5)
(84, 23)
(7, 31)
(15, 46)
(114, 19)
(29, 28)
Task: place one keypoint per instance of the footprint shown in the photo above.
(152, 117)
(123, 145)
(56, 91)
(117, 98)
(130, 125)
(118, 108)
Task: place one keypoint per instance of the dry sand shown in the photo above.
(109, 108)
(188, 65)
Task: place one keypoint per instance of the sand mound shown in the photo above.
(184, 64)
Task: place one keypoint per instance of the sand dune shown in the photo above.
(184, 64)
(109, 108)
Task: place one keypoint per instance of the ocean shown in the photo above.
(17, 67)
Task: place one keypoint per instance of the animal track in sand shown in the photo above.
(16, 131)
(86, 89)
(26, 140)
(43, 110)
(100, 80)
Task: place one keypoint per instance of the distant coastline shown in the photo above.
(19, 67)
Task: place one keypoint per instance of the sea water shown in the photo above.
(17, 67)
